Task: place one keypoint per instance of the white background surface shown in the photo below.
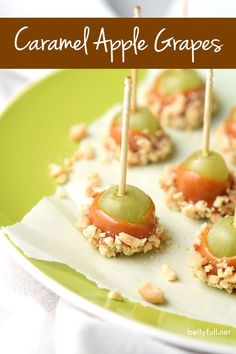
(27, 309)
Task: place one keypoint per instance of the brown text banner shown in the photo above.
(117, 42)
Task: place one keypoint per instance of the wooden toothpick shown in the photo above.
(234, 224)
(184, 8)
(207, 113)
(125, 135)
(137, 11)
(134, 72)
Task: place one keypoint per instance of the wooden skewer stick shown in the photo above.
(234, 224)
(207, 113)
(134, 72)
(125, 135)
(184, 8)
(137, 11)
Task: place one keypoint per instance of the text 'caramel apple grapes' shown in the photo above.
(201, 186)
(121, 219)
(148, 142)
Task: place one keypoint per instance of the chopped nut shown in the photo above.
(213, 280)
(105, 251)
(62, 179)
(55, 170)
(115, 295)
(61, 193)
(201, 274)
(89, 191)
(94, 179)
(102, 235)
(225, 273)
(90, 231)
(144, 143)
(178, 196)
(181, 112)
(78, 132)
(168, 273)
(131, 241)
(151, 293)
(68, 163)
(196, 260)
(58, 173)
(84, 209)
(208, 268)
(150, 150)
(154, 240)
(147, 247)
(204, 227)
(82, 223)
(108, 240)
(85, 152)
(232, 278)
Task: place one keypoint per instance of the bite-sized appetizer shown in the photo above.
(177, 98)
(226, 137)
(148, 143)
(200, 187)
(116, 224)
(214, 258)
(121, 219)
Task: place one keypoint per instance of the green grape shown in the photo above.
(233, 114)
(174, 81)
(142, 120)
(222, 238)
(212, 166)
(131, 207)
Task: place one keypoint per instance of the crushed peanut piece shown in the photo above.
(68, 163)
(168, 273)
(85, 152)
(115, 295)
(196, 260)
(90, 231)
(82, 223)
(78, 132)
(149, 149)
(151, 293)
(58, 173)
(183, 112)
(55, 170)
(94, 179)
(61, 193)
(89, 191)
(131, 241)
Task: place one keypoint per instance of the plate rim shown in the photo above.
(175, 340)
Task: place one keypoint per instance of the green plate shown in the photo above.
(34, 132)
